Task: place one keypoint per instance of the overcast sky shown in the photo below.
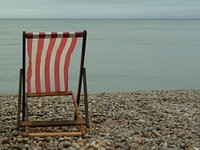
(99, 8)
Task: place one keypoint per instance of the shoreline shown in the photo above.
(150, 119)
(116, 92)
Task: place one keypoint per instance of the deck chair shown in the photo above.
(44, 72)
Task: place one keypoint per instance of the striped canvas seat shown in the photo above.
(49, 57)
(45, 71)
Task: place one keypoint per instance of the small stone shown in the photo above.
(39, 105)
(61, 139)
(139, 140)
(153, 147)
(102, 143)
(4, 140)
(19, 147)
(181, 134)
(192, 147)
(94, 146)
(40, 144)
(60, 145)
(47, 139)
(81, 142)
(13, 128)
(27, 146)
(2, 131)
(141, 121)
(20, 139)
(72, 148)
(66, 144)
(117, 146)
(30, 141)
(182, 145)
(156, 133)
(25, 139)
(134, 146)
(77, 146)
(101, 148)
(164, 147)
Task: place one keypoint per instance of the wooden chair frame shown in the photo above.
(23, 121)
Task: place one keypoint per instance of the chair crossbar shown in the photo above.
(52, 123)
(49, 94)
(45, 134)
(53, 34)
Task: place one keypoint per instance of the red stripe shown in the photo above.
(42, 35)
(57, 64)
(47, 64)
(54, 34)
(77, 34)
(38, 63)
(67, 61)
(29, 71)
(66, 34)
(29, 35)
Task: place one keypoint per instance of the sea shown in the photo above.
(122, 54)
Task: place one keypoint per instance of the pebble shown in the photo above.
(134, 146)
(76, 145)
(181, 134)
(166, 119)
(66, 144)
(156, 133)
(20, 139)
(40, 144)
(93, 146)
(4, 140)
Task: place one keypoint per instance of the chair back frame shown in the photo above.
(25, 35)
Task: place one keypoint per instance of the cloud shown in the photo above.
(99, 9)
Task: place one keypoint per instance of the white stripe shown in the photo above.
(72, 34)
(52, 62)
(33, 63)
(48, 34)
(42, 65)
(62, 63)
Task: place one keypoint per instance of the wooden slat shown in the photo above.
(49, 94)
(45, 134)
(52, 123)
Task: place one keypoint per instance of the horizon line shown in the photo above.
(99, 18)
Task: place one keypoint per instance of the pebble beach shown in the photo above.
(141, 120)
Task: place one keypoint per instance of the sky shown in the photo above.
(99, 8)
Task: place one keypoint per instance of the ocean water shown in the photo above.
(122, 54)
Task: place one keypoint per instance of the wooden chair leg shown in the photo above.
(76, 106)
(26, 114)
(19, 98)
(18, 111)
(85, 98)
(82, 129)
(78, 113)
(27, 130)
